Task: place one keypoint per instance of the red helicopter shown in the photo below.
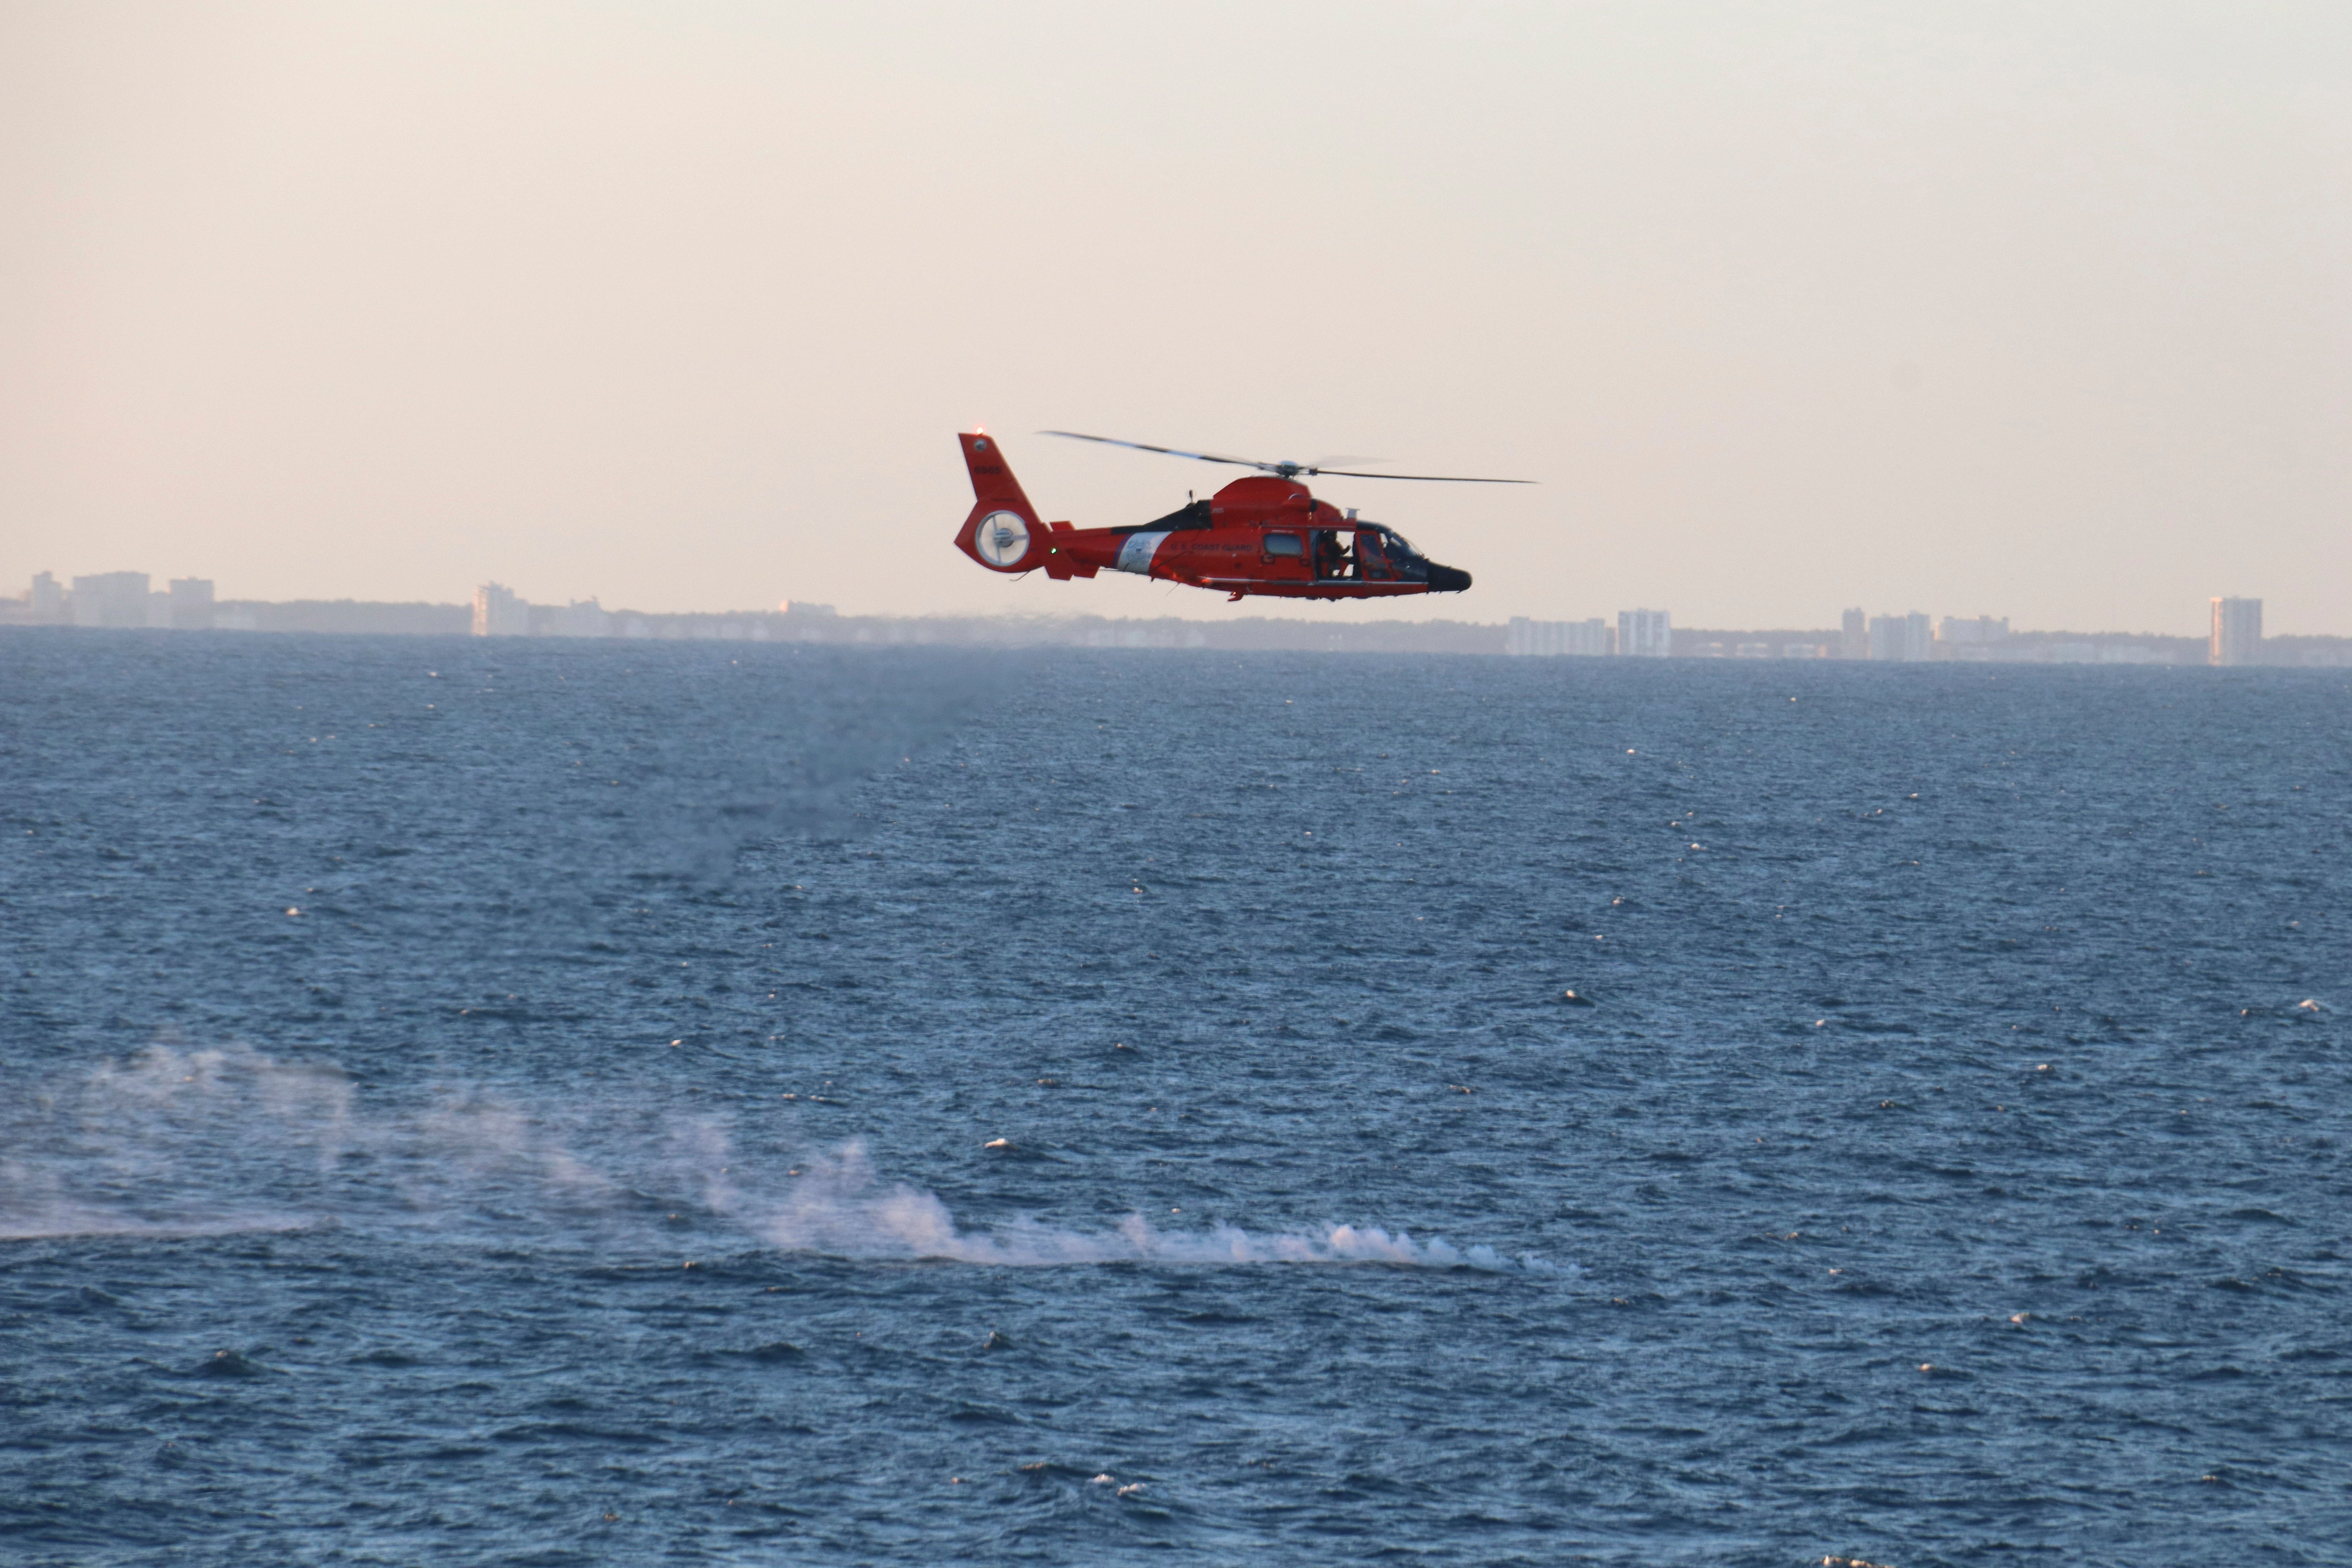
(1262, 534)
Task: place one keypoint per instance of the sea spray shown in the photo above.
(840, 1207)
(172, 1142)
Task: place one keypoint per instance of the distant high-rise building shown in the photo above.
(1854, 640)
(580, 618)
(1958, 633)
(47, 599)
(498, 614)
(191, 604)
(111, 599)
(1645, 634)
(1525, 636)
(2237, 632)
(1901, 638)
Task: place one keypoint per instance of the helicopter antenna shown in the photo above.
(1288, 470)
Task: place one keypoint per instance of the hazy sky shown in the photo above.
(2039, 310)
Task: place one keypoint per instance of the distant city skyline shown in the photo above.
(2193, 617)
(123, 600)
(2009, 309)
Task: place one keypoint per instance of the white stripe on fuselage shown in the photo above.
(1135, 555)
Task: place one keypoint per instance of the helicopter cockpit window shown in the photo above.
(1382, 556)
(1285, 545)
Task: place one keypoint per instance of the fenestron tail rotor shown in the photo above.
(1286, 469)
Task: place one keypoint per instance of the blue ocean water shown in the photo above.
(575, 1103)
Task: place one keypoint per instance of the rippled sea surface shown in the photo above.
(551, 1104)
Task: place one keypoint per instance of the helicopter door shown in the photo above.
(1372, 563)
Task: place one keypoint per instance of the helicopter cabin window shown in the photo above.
(1333, 559)
(1285, 546)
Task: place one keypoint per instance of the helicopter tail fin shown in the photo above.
(1003, 532)
(992, 476)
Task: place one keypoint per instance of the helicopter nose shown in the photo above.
(1447, 579)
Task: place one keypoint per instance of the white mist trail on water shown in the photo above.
(208, 1142)
(839, 1205)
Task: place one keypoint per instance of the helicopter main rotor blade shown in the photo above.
(1171, 451)
(1288, 470)
(1434, 479)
